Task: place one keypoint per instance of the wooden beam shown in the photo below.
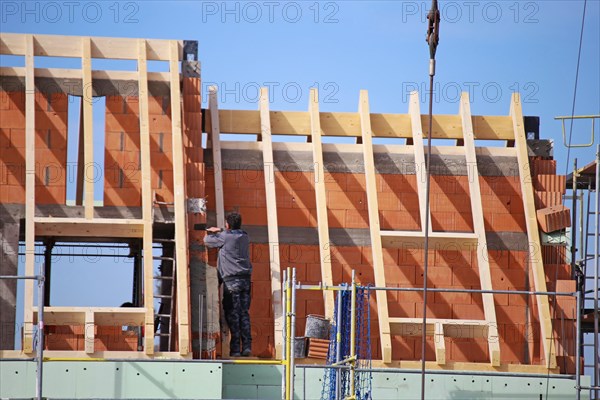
(147, 204)
(29, 192)
(102, 47)
(321, 198)
(89, 229)
(374, 226)
(348, 124)
(88, 127)
(80, 159)
(102, 316)
(272, 225)
(181, 239)
(440, 344)
(215, 130)
(215, 139)
(420, 163)
(533, 234)
(478, 223)
(89, 331)
(75, 74)
(437, 240)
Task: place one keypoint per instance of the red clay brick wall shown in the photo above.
(122, 186)
(502, 201)
(50, 147)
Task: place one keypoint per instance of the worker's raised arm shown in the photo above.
(214, 238)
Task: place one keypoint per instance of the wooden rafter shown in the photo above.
(374, 226)
(179, 196)
(479, 228)
(420, 165)
(147, 205)
(321, 201)
(537, 266)
(272, 225)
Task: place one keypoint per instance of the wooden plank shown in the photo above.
(102, 47)
(64, 355)
(29, 193)
(80, 159)
(537, 266)
(440, 344)
(147, 239)
(321, 198)
(272, 225)
(106, 316)
(479, 228)
(437, 240)
(374, 226)
(454, 328)
(215, 139)
(71, 229)
(88, 127)
(75, 74)
(420, 164)
(216, 150)
(181, 239)
(348, 124)
(89, 334)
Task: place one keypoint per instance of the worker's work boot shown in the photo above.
(234, 354)
(246, 353)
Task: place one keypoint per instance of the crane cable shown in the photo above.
(433, 30)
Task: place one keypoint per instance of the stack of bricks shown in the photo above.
(122, 183)
(549, 191)
(50, 147)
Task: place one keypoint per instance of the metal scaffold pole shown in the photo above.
(596, 274)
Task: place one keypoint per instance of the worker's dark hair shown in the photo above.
(234, 220)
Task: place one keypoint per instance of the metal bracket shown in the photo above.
(592, 117)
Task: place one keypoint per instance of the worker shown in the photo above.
(234, 270)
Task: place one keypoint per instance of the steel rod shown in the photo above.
(34, 277)
(283, 331)
(444, 290)
(338, 344)
(596, 275)
(353, 334)
(292, 354)
(40, 341)
(201, 321)
(578, 345)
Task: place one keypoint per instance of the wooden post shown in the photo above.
(146, 198)
(322, 221)
(213, 106)
(29, 194)
(272, 225)
(374, 227)
(179, 198)
(535, 248)
(88, 127)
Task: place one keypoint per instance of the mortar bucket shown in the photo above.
(317, 327)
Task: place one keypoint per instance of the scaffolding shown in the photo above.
(584, 184)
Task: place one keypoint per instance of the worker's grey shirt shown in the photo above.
(234, 258)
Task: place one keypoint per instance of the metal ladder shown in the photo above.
(164, 319)
(589, 282)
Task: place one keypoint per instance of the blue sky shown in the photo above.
(490, 48)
